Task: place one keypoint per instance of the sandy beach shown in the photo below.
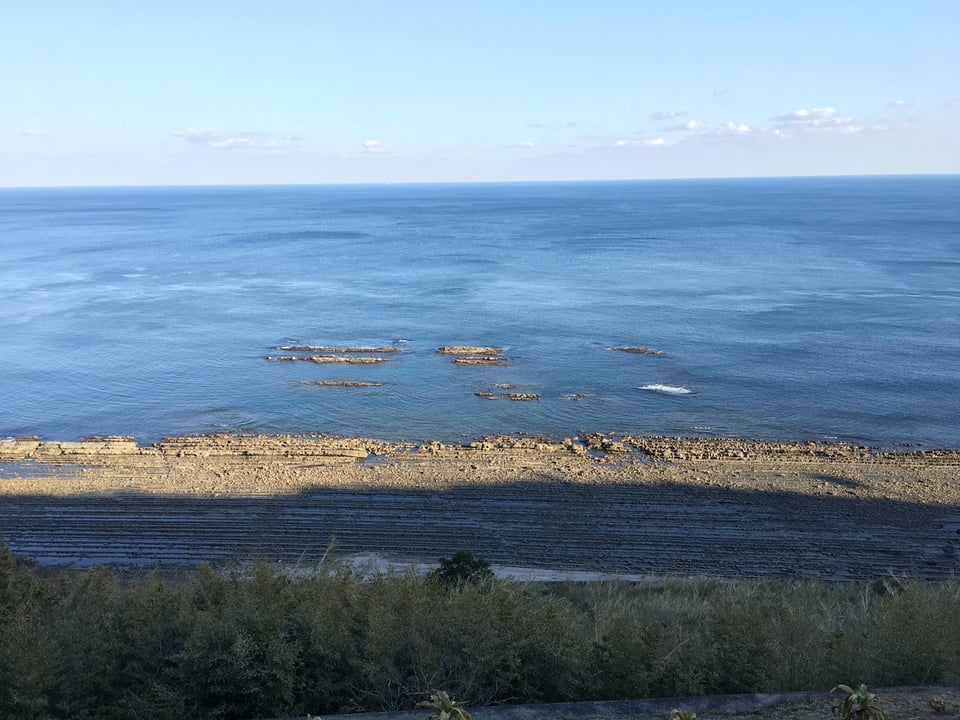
(591, 506)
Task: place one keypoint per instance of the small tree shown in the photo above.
(462, 568)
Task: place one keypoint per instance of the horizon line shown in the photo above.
(387, 183)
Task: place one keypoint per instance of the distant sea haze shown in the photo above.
(811, 308)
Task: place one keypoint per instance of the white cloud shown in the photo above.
(668, 115)
(897, 103)
(825, 119)
(372, 146)
(656, 142)
(718, 93)
(688, 126)
(222, 140)
(732, 128)
(526, 145)
(232, 142)
(33, 133)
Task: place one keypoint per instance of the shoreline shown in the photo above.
(656, 446)
(618, 506)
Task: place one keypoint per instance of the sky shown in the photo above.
(202, 92)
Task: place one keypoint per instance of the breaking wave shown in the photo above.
(667, 389)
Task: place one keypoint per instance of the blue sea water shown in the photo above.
(787, 308)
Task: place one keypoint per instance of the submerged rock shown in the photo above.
(339, 383)
(494, 360)
(517, 397)
(639, 350)
(327, 359)
(338, 349)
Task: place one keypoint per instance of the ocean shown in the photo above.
(796, 308)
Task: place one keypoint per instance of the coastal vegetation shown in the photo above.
(256, 643)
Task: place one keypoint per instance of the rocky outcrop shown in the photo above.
(519, 397)
(475, 355)
(469, 350)
(33, 448)
(692, 448)
(268, 446)
(603, 443)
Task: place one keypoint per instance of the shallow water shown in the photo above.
(814, 308)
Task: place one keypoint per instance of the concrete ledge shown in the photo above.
(653, 708)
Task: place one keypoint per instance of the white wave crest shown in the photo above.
(667, 389)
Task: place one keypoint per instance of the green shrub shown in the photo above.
(443, 707)
(461, 569)
(239, 657)
(859, 704)
(624, 660)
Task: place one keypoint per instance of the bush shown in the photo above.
(462, 569)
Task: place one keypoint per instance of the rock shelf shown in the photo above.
(597, 502)
(475, 355)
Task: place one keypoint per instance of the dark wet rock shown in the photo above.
(639, 350)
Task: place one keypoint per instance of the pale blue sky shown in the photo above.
(293, 91)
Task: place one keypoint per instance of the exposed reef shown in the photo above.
(475, 355)
(469, 350)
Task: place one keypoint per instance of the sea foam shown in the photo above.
(667, 389)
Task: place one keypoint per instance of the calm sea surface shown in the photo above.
(786, 308)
